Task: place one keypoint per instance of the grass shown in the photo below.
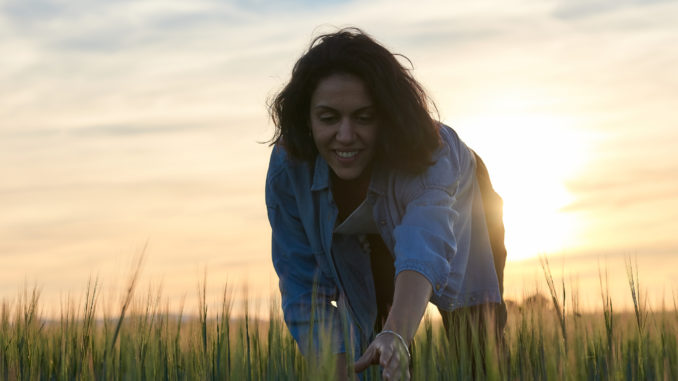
(144, 341)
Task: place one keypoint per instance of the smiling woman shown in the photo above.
(376, 209)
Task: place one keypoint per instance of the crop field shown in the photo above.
(547, 338)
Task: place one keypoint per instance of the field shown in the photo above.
(547, 338)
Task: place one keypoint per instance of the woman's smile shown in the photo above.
(347, 154)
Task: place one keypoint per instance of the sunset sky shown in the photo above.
(131, 122)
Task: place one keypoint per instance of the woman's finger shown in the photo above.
(386, 352)
(371, 356)
(397, 374)
(385, 356)
(392, 367)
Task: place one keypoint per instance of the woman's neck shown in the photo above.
(349, 194)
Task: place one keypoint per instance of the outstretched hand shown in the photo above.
(389, 347)
(388, 351)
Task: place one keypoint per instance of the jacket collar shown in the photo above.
(321, 175)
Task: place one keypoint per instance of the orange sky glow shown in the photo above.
(142, 126)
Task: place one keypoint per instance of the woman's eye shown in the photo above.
(366, 118)
(327, 118)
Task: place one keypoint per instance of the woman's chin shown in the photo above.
(352, 173)
(348, 174)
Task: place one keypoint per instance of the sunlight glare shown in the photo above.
(530, 157)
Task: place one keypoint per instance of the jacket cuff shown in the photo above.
(438, 279)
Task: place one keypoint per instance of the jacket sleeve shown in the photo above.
(426, 238)
(306, 292)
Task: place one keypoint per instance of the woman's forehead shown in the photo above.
(341, 89)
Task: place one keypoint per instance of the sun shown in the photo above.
(534, 221)
(530, 159)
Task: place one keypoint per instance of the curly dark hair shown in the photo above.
(408, 135)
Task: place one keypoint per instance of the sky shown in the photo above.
(137, 126)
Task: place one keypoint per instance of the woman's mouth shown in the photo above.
(346, 154)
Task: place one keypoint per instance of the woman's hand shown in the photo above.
(390, 352)
(389, 348)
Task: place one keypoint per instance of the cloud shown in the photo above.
(32, 11)
(98, 131)
(127, 130)
(578, 9)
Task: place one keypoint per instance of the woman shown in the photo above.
(375, 207)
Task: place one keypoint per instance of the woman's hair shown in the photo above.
(408, 135)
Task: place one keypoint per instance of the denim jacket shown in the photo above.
(432, 223)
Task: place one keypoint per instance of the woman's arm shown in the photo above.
(412, 293)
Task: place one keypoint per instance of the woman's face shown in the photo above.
(344, 124)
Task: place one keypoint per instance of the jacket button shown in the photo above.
(438, 286)
(383, 222)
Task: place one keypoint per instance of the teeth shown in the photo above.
(346, 154)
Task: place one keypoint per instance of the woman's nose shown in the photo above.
(346, 132)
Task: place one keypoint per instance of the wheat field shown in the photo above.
(546, 338)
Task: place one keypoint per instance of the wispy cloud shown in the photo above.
(577, 9)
